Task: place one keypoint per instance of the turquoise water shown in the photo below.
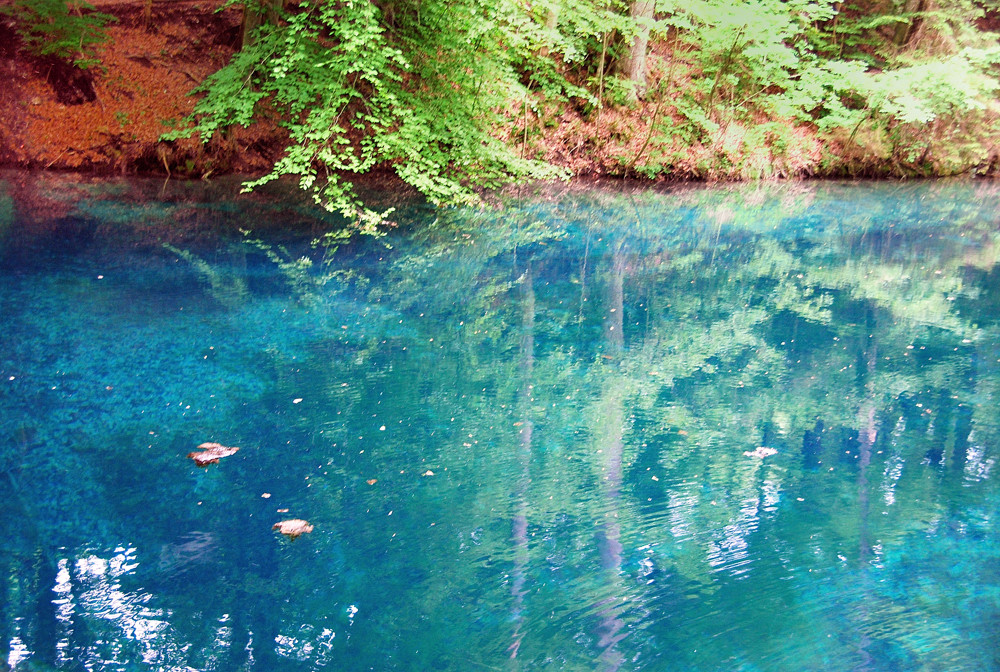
(748, 428)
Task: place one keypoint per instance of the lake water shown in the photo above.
(740, 428)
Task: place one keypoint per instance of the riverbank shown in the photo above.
(110, 118)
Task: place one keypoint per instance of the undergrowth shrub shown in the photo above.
(66, 30)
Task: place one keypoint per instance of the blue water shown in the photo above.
(597, 428)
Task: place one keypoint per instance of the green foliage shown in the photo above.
(66, 29)
(619, 91)
(445, 93)
(761, 57)
(937, 115)
(885, 70)
(358, 86)
(925, 91)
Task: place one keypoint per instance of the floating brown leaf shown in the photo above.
(293, 528)
(210, 453)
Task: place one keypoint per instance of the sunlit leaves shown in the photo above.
(842, 70)
(359, 86)
(921, 93)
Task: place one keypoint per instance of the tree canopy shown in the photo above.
(441, 91)
(459, 96)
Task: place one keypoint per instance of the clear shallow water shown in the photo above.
(735, 429)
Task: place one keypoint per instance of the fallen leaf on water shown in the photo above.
(211, 452)
(293, 528)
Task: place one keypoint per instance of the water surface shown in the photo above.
(748, 428)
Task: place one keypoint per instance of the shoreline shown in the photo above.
(143, 88)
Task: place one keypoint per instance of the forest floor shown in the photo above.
(110, 121)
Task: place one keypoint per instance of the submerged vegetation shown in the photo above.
(458, 95)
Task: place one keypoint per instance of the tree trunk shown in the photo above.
(634, 66)
(906, 30)
(611, 437)
(266, 12)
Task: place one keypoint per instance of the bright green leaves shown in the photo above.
(926, 91)
(937, 116)
(754, 55)
(66, 30)
(430, 88)
(868, 78)
(360, 85)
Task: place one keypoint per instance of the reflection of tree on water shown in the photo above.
(519, 534)
(868, 432)
(609, 435)
(609, 429)
(825, 413)
(637, 425)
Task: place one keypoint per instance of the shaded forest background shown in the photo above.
(453, 96)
